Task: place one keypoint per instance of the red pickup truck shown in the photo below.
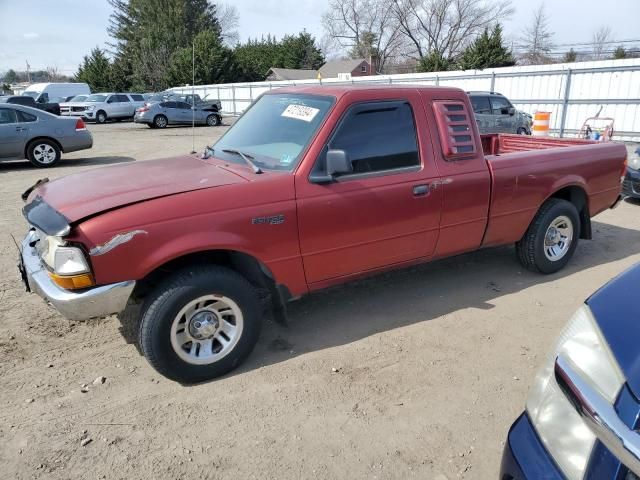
(311, 187)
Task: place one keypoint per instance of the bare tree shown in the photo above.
(364, 28)
(600, 40)
(229, 21)
(536, 43)
(53, 73)
(445, 27)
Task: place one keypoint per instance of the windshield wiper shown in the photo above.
(245, 156)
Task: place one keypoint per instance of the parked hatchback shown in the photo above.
(39, 136)
(495, 114)
(583, 412)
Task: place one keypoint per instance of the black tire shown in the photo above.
(160, 121)
(522, 131)
(213, 120)
(43, 153)
(531, 248)
(101, 117)
(164, 304)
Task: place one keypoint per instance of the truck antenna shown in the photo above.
(193, 97)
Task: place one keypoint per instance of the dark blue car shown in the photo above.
(631, 184)
(583, 412)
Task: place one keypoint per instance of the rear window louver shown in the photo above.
(454, 126)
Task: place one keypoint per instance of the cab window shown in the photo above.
(377, 137)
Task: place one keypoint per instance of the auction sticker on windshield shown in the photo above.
(300, 112)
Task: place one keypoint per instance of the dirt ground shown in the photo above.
(412, 374)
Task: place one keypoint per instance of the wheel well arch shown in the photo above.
(251, 268)
(42, 137)
(578, 196)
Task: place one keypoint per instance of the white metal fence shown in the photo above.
(571, 91)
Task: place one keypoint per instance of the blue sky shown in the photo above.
(59, 32)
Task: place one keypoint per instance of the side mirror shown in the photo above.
(337, 162)
(511, 111)
(110, 100)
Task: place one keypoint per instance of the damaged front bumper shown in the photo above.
(92, 302)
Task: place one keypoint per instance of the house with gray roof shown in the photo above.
(291, 74)
(344, 69)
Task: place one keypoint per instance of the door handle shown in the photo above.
(20, 129)
(420, 190)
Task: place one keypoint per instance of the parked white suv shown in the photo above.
(108, 106)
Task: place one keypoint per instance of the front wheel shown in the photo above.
(199, 324)
(549, 242)
(101, 117)
(213, 120)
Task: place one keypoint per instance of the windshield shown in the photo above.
(30, 94)
(96, 98)
(275, 130)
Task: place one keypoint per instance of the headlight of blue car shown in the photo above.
(563, 432)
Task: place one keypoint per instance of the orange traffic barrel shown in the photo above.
(541, 121)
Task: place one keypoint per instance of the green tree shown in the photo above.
(120, 75)
(214, 62)
(570, 57)
(255, 57)
(435, 62)
(619, 53)
(365, 46)
(299, 51)
(147, 33)
(11, 76)
(95, 71)
(487, 51)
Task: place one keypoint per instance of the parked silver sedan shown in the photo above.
(39, 136)
(161, 114)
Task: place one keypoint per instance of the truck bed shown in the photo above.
(497, 143)
(523, 178)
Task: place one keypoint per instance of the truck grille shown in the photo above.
(77, 109)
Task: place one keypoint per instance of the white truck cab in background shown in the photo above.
(55, 92)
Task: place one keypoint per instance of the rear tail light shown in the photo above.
(80, 125)
(143, 109)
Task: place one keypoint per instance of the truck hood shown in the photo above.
(87, 193)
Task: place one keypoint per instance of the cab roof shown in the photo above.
(340, 90)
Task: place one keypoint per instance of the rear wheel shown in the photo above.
(201, 323)
(101, 117)
(160, 121)
(43, 153)
(551, 239)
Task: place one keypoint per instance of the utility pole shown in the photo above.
(28, 71)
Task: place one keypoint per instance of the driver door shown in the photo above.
(387, 210)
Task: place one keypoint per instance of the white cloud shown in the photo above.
(30, 35)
